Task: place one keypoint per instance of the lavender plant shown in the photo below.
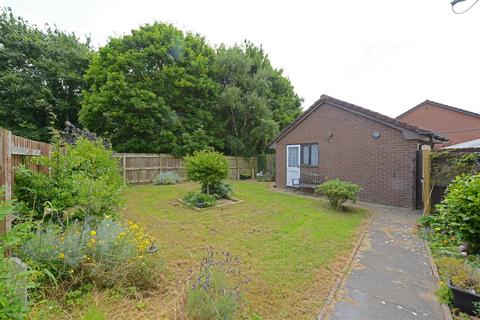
(216, 289)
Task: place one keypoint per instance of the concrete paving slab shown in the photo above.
(391, 277)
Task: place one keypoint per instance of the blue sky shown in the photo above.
(384, 55)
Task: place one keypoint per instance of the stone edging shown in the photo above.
(447, 315)
(341, 277)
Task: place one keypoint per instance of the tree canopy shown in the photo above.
(157, 89)
(41, 77)
(255, 100)
(153, 91)
(162, 90)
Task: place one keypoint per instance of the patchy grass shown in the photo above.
(292, 247)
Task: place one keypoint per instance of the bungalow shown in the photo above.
(336, 139)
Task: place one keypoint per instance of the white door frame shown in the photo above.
(292, 172)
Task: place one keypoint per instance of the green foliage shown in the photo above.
(200, 199)
(162, 74)
(255, 100)
(476, 308)
(84, 179)
(219, 191)
(208, 167)
(459, 212)
(444, 294)
(107, 254)
(338, 192)
(189, 96)
(6, 206)
(170, 177)
(41, 77)
(11, 306)
(446, 165)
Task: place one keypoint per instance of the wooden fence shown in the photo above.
(14, 151)
(143, 167)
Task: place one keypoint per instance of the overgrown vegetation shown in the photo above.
(338, 192)
(83, 180)
(11, 276)
(453, 232)
(459, 213)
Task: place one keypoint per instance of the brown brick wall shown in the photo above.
(384, 167)
(438, 119)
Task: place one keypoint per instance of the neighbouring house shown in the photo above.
(336, 139)
(453, 123)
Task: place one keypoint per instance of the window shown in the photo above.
(310, 154)
(293, 157)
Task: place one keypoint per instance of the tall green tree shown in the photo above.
(41, 77)
(152, 91)
(255, 100)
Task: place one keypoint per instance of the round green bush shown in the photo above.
(338, 192)
(208, 167)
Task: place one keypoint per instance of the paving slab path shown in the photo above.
(391, 275)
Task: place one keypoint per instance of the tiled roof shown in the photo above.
(359, 110)
(441, 105)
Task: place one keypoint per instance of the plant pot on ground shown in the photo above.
(245, 176)
(463, 299)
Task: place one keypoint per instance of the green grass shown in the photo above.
(289, 242)
(292, 247)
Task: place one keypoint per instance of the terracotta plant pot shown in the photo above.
(463, 299)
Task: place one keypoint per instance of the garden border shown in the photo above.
(212, 207)
(447, 314)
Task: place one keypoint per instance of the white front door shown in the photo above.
(293, 163)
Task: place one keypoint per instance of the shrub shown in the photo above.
(220, 191)
(338, 192)
(208, 167)
(107, 254)
(216, 289)
(459, 211)
(84, 179)
(200, 200)
(170, 177)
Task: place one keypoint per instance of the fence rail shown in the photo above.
(143, 167)
(14, 151)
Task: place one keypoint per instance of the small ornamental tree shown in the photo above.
(208, 167)
(338, 192)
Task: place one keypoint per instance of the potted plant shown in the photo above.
(464, 299)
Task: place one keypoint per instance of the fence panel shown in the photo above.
(143, 167)
(15, 151)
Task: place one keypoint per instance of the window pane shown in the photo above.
(306, 154)
(314, 155)
(293, 157)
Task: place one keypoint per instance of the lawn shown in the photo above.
(292, 247)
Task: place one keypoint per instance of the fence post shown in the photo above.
(6, 174)
(124, 167)
(427, 182)
(238, 167)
